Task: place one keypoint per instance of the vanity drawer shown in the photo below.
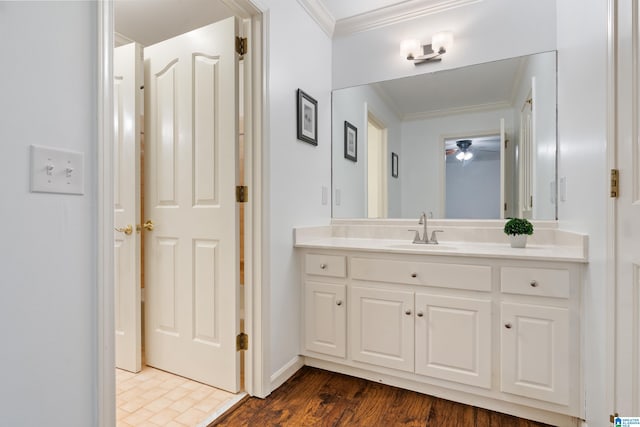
(325, 265)
(544, 282)
(458, 276)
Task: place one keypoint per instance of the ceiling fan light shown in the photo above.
(468, 155)
(460, 156)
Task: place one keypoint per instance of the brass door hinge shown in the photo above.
(242, 342)
(242, 194)
(613, 417)
(615, 179)
(530, 201)
(505, 207)
(241, 46)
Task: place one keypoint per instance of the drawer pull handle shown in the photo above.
(414, 275)
(408, 312)
(323, 266)
(507, 325)
(533, 284)
(339, 302)
(420, 314)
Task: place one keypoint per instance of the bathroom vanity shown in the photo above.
(470, 320)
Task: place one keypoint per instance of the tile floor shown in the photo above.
(153, 398)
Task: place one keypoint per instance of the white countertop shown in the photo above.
(449, 248)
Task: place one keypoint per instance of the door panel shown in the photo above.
(467, 359)
(534, 352)
(128, 74)
(381, 327)
(192, 262)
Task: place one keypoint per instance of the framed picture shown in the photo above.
(350, 142)
(394, 165)
(307, 118)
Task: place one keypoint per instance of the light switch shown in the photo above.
(338, 201)
(563, 189)
(55, 170)
(325, 195)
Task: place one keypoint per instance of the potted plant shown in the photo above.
(518, 229)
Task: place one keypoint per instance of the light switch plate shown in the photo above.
(55, 170)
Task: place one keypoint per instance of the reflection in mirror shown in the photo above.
(507, 109)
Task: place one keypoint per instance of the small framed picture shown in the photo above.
(307, 118)
(350, 142)
(394, 165)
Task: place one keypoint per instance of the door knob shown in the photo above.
(126, 230)
(148, 225)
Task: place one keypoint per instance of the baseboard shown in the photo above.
(286, 372)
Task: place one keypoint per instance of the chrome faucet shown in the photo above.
(425, 240)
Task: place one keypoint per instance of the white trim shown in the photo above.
(261, 324)
(469, 109)
(105, 338)
(319, 12)
(227, 406)
(120, 40)
(395, 14)
(283, 374)
(611, 238)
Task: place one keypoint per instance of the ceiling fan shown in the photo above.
(462, 150)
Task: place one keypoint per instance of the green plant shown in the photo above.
(517, 226)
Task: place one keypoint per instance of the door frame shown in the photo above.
(257, 379)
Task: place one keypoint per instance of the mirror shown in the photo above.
(476, 142)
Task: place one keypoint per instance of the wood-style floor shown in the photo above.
(313, 397)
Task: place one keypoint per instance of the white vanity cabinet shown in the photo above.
(503, 330)
(536, 345)
(325, 307)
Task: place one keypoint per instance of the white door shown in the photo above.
(191, 156)
(381, 327)
(325, 314)
(465, 359)
(127, 97)
(534, 352)
(503, 154)
(627, 393)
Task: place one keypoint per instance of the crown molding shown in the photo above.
(319, 12)
(459, 110)
(394, 14)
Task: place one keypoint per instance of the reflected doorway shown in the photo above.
(376, 168)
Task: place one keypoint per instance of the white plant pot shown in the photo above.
(518, 240)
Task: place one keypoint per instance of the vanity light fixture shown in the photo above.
(440, 43)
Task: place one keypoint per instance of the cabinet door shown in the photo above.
(381, 327)
(325, 318)
(535, 352)
(453, 339)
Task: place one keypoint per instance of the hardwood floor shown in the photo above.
(313, 397)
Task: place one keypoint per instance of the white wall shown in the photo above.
(349, 178)
(424, 161)
(299, 57)
(582, 139)
(483, 31)
(48, 245)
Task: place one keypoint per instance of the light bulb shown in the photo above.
(410, 48)
(442, 41)
(460, 156)
(468, 155)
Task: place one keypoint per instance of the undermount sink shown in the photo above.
(422, 247)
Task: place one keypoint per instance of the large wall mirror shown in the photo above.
(477, 142)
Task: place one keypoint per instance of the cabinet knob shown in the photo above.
(323, 266)
(420, 314)
(408, 312)
(507, 325)
(533, 284)
(414, 275)
(339, 302)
